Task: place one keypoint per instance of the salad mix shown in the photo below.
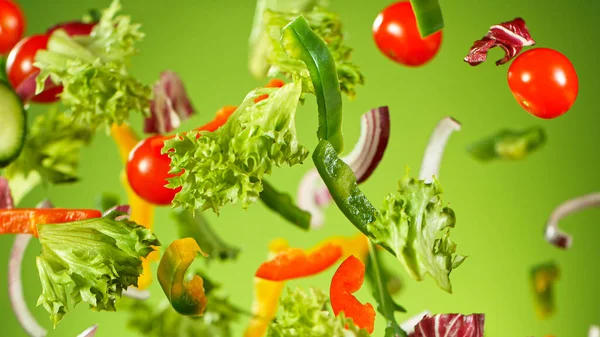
(103, 257)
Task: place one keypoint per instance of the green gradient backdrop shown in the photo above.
(501, 207)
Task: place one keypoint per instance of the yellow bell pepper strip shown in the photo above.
(187, 298)
(266, 297)
(142, 212)
(357, 245)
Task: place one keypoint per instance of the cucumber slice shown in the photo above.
(13, 123)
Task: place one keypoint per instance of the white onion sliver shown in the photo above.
(409, 325)
(135, 293)
(306, 197)
(15, 288)
(594, 331)
(89, 332)
(553, 234)
(432, 158)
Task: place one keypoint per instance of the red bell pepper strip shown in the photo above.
(25, 220)
(295, 263)
(348, 279)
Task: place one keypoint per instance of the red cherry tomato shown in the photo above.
(12, 25)
(544, 82)
(397, 36)
(147, 173)
(74, 28)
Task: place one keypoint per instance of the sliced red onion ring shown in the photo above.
(594, 331)
(435, 149)
(409, 325)
(26, 90)
(363, 159)
(89, 332)
(553, 234)
(6, 200)
(135, 293)
(170, 106)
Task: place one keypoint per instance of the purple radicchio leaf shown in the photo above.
(450, 325)
(511, 36)
(6, 200)
(170, 106)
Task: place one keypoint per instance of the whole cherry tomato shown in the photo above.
(397, 36)
(544, 82)
(12, 25)
(147, 173)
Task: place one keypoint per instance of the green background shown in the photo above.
(501, 207)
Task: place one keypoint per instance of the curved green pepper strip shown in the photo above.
(187, 298)
(429, 16)
(282, 204)
(300, 42)
(341, 183)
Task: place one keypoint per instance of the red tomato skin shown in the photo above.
(147, 173)
(397, 36)
(544, 82)
(12, 25)
(73, 28)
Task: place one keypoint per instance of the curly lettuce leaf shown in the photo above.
(228, 165)
(304, 314)
(51, 152)
(328, 27)
(508, 144)
(416, 225)
(90, 261)
(93, 70)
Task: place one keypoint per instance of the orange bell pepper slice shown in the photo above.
(187, 298)
(348, 279)
(24, 220)
(266, 297)
(295, 263)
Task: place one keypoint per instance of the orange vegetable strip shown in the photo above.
(348, 279)
(24, 220)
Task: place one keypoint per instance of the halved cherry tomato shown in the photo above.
(397, 36)
(544, 82)
(12, 25)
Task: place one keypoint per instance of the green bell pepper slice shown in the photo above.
(429, 16)
(283, 204)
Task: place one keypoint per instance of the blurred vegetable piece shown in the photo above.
(363, 160)
(282, 204)
(348, 279)
(543, 280)
(594, 331)
(25, 220)
(553, 234)
(93, 70)
(98, 257)
(378, 278)
(508, 144)
(357, 245)
(295, 263)
(450, 325)
(266, 296)
(89, 332)
(197, 227)
(170, 105)
(511, 36)
(12, 25)
(300, 42)
(429, 16)
(186, 297)
(6, 199)
(432, 158)
(305, 313)
(409, 324)
(14, 120)
(397, 31)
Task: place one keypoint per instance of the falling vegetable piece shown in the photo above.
(187, 298)
(594, 331)
(266, 296)
(432, 159)
(429, 16)
(25, 220)
(357, 245)
(170, 105)
(348, 279)
(282, 204)
(511, 36)
(456, 325)
(543, 279)
(295, 263)
(363, 160)
(300, 42)
(6, 200)
(378, 278)
(89, 332)
(409, 324)
(553, 234)
(508, 144)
